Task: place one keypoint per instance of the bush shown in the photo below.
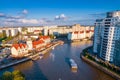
(15, 75)
(7, 76)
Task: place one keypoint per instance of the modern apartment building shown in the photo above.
(107, 35)
(10, 31)
(81, 32)
(98, 34)
(116, 57)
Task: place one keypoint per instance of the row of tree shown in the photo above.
(15, 75)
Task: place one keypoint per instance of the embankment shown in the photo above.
(107, 71)
(28, 58)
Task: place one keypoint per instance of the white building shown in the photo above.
(10, 31)
(32, 29)
(19, 50)
(106, 34)
(98, 35)
(81, 32)
(29, 44)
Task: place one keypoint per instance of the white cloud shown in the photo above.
(25, 11)
(60, 17)
(2, 15)
(29, 21)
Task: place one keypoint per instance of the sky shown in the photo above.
(54, 12)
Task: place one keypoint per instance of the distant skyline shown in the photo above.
(54, 12)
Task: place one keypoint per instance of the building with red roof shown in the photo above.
(77, 35)
(19, 50)
(46, 39)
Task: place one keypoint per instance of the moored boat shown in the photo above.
(41, 56)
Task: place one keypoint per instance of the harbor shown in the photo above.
(30, 57)
(57, 67)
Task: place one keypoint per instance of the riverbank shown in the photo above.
(98, 66)
(29, 57)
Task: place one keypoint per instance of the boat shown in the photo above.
(41, 56)
(73, 65)
(35, 58)
(53, 48)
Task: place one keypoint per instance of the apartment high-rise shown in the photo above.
(107, 34)
(98, 35)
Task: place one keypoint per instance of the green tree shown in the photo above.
(52, 36)
(24, 29)
(40, 34)
(7, 76)
(19, 78)
(1, 35)
(17, 73)
(4, 34)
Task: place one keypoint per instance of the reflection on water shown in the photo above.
(52, 56)
(55, 65)
(24, 66)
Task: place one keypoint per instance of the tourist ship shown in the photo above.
(73, 65)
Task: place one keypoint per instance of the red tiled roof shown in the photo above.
(44, 37)
(87, 31)
(92, 30)
(36, 30)
(38, 42)
(16, 46)
(76, 32)
(24, 45)
(21, 45)
(81, 31)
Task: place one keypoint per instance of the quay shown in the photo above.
(30, 57)
(98, 66)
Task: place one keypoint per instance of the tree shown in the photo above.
(17, 73)
(4, 34)
(40, 34)
(19, 78)
(24, 29)
(1, 35)
(52, 36)
(7, 76)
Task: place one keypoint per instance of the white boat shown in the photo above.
(35, 58)
(73, 65)
(41, 56)
(53, 48)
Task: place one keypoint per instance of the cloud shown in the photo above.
(14, 17)
(29, 21)
(61, 17)
(98, 15)
(2, 15)
(25, 11)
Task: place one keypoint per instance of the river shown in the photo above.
(54, 65)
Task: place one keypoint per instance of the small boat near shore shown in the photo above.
(35, 58)
(74, 66)
(53, 48)
(41, 56)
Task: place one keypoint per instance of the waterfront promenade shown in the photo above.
(94, 62)
(54, 44)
